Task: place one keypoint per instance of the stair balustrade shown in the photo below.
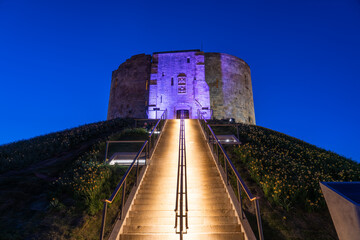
(224, 162)
(148, 148)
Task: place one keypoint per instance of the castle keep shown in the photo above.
(217, 84)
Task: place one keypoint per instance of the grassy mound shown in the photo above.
(286, 172)
(51, 186)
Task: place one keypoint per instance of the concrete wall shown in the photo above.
(230, 85)
(177, 82)
(129, 88)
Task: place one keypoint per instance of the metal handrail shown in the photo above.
(181, 187)
(148, 146)
(239, 180)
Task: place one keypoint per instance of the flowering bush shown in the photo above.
(89, 180)
(84, 181)
(289, 170)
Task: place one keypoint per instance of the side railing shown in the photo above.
(223, 160)
(181, 209)
(148, 148)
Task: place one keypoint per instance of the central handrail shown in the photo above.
(149, 147)
(215, 145)
(181, 187)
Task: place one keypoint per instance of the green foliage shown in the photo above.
(61, 182)
(89, 180)
(289, 170)
(26, 152)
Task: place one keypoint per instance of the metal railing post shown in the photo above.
(103, 221)
(137, 172)
(258, 218)
(240, 199)
(150, 147)
(146, 154)
(226, 171)
(123, 200)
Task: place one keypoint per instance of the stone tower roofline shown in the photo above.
(178, 51)
(133, 57)
(241, 60)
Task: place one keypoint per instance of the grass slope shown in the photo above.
(51, 186)
(286, 172)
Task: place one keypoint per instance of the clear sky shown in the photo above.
(56, 59)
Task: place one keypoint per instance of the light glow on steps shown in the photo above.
(211, 215)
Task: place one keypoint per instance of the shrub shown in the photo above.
(289, 170)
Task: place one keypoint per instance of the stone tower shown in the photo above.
(217, 84)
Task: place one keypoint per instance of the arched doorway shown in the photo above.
(185, 112)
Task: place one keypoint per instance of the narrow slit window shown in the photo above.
(188, 60)
(172, 81)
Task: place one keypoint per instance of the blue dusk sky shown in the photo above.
(56, 60)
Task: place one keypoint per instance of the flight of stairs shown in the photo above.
(211, 215)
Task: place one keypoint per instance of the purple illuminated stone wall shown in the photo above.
(177, 82)
(217, 84)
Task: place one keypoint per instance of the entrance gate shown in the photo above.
(185, 112)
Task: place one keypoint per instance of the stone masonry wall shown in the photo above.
(144, 86)
(129, 88)
(230, 85)
(177, 82)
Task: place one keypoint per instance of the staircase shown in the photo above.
(211, 214)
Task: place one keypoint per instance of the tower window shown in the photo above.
(188, 60)
(172, 81)
(182, 84)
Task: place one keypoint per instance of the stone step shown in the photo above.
(208, 201)
(210, 190)
(192, 213)
(197, 236)
(173, 170)
(193, 206)
(211, 215)
(193, 220)
(172, 182)
(193, 229)
(195, 197)
(198, 178)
